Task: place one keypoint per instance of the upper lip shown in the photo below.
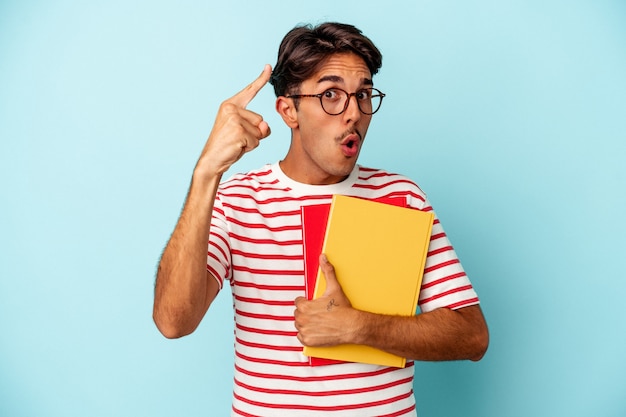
(352, 136)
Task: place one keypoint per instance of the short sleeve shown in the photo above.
(218, 252)
(445, 283)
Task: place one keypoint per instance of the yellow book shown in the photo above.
(379, 252)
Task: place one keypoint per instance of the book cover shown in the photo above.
(314, 221)
(379, 252)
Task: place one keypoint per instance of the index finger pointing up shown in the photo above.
(245, 96)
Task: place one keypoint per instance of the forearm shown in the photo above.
(183, 290)
(439, 335)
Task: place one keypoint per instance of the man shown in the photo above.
(325, 95)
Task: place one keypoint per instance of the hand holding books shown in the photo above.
(321, 322)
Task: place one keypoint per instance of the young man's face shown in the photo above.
(325, 148)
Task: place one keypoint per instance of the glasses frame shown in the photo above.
(375, 93)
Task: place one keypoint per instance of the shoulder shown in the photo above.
(386, 183)
(258, 176)
(254, 189)
(256, 180)
(381, 176)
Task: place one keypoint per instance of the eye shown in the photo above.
(331, 95)
(364, 94)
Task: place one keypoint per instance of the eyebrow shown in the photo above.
(338, 79)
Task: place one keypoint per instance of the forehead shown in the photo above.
(342, 68)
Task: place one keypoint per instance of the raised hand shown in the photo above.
(236, 130)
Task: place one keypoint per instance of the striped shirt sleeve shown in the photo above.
(219, 253)
(445, 283)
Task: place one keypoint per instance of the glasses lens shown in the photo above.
(369, 100)
(335, 101)
(364, 98)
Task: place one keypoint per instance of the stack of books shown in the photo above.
(378, 249)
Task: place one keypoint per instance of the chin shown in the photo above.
(344, 170)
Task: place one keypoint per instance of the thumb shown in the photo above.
(264, 129)
(332, 285)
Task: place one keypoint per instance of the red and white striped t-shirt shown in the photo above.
(256, 243)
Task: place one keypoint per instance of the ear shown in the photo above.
(286, 109)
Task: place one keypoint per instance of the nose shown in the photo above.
(352, 113)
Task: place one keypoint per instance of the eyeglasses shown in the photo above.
(335, 101)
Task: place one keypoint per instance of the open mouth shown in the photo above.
(350, 144)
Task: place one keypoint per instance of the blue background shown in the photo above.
(511, 115)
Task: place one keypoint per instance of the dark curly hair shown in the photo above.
(304, 48)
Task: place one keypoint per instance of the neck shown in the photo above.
(294, 170)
